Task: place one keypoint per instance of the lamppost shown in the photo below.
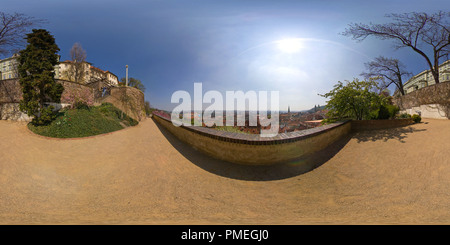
(126, 81)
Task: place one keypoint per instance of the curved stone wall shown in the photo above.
(11, 92)
(359, 125)
(128, 99)
(253, 149)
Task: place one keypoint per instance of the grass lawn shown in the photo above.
(82, 122)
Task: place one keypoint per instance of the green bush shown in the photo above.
(416, 118)
(81, 105)
(393, 110)
(46, 117)
(404, 115)
(383, 112)
(329, 120)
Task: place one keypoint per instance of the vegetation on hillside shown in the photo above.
(83, 121)
(132, 82)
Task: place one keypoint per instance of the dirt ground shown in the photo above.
(143, 175)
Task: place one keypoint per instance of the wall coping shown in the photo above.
(256, 139)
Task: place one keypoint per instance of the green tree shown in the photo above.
(133, 82)
(354, 100)
(36, 72)
(148, 108)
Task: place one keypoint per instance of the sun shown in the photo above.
(290, 45)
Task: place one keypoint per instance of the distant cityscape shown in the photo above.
(288, 121)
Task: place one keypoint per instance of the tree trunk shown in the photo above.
(435, 69)
(400, 84)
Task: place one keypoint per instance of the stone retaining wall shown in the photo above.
(10, 91)
(358, 125)
(435, 111)
(128, 99)
(73, 90)
(11, 111)
(431, 101)
(252, 149)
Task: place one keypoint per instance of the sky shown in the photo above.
(293, 47)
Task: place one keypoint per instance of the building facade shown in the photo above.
(89, 73)
(425, 78)
(64, 70)
(8, 68)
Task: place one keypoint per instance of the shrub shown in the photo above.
(329, 120)
(383, 112)
(393, 110)
(46, 117)
(416, 118)
(81, 105)
(404, 115)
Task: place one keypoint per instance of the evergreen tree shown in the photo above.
(36, 72)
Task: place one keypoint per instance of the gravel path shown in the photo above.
(143, 175)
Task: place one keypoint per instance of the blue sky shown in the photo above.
(226, 45)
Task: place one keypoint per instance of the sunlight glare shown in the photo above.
(291, 45)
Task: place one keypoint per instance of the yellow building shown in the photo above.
(90, 73)
(8, 70)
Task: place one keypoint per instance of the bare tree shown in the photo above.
(388, 69)
(13, 28)
(419, 31)
(77, 69)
